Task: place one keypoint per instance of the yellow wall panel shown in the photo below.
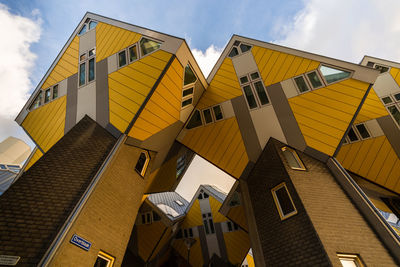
(238, 215)
(224, 149)
(224, 86)
(38, 154)
(164, 106)
(128, 88)
(193, 217)
(66, 66)
(215, 206)
(148, 235)
(250, 260)
(371, 109)
(395, 72)
(163, 241)
(111, 39)
(237, 246)
(46, 124)
(196, 256)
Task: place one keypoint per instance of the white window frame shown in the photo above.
(188, 86)
(358, 132)
(306, 81)
(86, 62)
(128, 55)
(323, 82)
(278, 205)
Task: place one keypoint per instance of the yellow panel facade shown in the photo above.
(237, 246)
(323, 125)
(164, 239)
(130, 85)
(395, 72)
(196, 256)
(224, 86)
(238, 215)
(38, 154)
(148, 236)
(373, 159)
(193, 217)
(46, 124)
(111, 39)
(215, 206)
(371, 109)
(164, 106)
(66, 66)
(221, 143)
(250, 260)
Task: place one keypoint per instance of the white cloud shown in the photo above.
(345, 29)
(207, 59)
(17, 62)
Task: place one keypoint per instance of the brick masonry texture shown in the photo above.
(340, 226)
(35, 207)
(291, 242)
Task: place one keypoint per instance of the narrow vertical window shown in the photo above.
(55, 91)
(301, 84)
(314, 79)
(91, 69)
(132, 53)
(195, 120)
(293, 159)
(251, 101)
(283, 201)
(352, 135)
(262, 95)
(229, 224)
(142, 163)
(395, 113)
(82, 72)
(207, 116)
(47, 95)
(218, 113)
(122, 58)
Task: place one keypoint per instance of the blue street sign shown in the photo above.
(80, 242)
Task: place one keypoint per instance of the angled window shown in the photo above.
(363, 131)
(392, 103)
(47, 95)
(122, 58)
(387, 100)
(301, 84)
(133, 53)
(92, 24)
(238, 49)
(283, 201)
(350, 260)
(142, 163)
(397, 97)
(37, 102)
(83, 29)
(332, 75)
(156, 217)
(234, 52)
(293, 159)
(195, 120)
(187, 92)
(394, 111)
(207, 116)
(353, 137)
(55, 91)
(314, 79)
(147, 46)
(104, 260)
(381, 68)
(244, 48)
(189, 77)
(87, 26)
(218, 115)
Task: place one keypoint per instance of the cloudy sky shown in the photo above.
(34, 31)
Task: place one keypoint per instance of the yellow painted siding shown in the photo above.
(163, 178)
(215, 206)
(111, 39)
(196, 256)
(277, 66)
(250, 260)
(238, 215)
(130, 85)
(237, 245)
(395, 72)
(323, 125)
(66, 66)
(165, 238)
(193, 217)
(373, 159)
(224, 86)
(164, 106)
(46, 124)
(371, 109)
(38, 154)
(148, 236)
(221, 143)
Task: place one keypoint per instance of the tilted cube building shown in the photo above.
(313, 143)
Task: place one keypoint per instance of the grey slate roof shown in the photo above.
(169, 199)
(6, 179)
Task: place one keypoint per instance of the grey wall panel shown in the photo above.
(391, 131)
(286, 117)
(203, 243)
(72, 101)
(221, 241)
(102, 105)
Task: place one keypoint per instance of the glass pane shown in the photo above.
(234, 52)
(397, 97)
(387, 100)
(301, 84)
(140, 163)
(92, 24)
(291, 159)
(100, 262)
(187, 92)
(211, 226)
(187, 102)
(370, 64)
(92, 52)
(195, 120)
(55, 91)
(91, 69)
(83, 29)
(254, 76)
(122, 58)
(249, 96)
(284, 201)
(395, 113)
(261, 93)
(363, 131)
(82, 57)
(381, 68)
(332, 75)
(36, 103)
(244, 79)
(236, 43)
(82, 71)
(47, 95)
(313, 77)
(189, 76)
(245, 48)
(147, 46)
(132, 53)
(207, 115)
(352, 135)
(206, 227)
(218, 113)
(348, 263)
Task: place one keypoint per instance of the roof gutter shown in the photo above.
(48, 256)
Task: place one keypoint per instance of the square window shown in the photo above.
(301, 84)
(55, 91)
(293, 159)
(218, 113)
(207, 116)
(397, 97)
(92, 52)
(254, 76)
(314, 80)
(387, 100)
(132, 53)
(82, 57)
(362, 130)
(122, 58)
(283, 201)
(244, 79)
(352, 135)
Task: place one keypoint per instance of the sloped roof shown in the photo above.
(36, 206)
(170, 199)
(6, 179)
(216, 192)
